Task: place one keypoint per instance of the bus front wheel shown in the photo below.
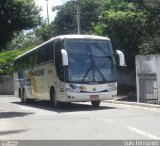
(53, 97)
(96, 103)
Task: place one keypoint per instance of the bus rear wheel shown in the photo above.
(23, 96)
(53, 97)
(96, 103)
(19, 93)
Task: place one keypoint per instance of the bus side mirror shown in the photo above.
(64, 57)
(121, 58)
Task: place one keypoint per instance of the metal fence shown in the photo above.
(148, 91)
(6, 85)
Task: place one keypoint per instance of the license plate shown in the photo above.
(94, 97)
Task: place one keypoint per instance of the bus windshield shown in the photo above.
(90, 61)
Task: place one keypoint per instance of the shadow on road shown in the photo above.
(12, 132)
(13, 114)
(63, 107)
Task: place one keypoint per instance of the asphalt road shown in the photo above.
(76, 121)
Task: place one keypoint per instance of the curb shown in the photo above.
(3, 96)
(133, 103)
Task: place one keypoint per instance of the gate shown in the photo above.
(6, 85)
(148, 78)
(148, 92)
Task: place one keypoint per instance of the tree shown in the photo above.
(128, 25)
(20, 44)
(66, 22)
(151, 45)
(44, 32)
(23, 41)
(16, 15)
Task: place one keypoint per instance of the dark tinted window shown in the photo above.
(50, 52)
(30, 60)
(20, 64)
(35, 57)
(58, 59)
(25, 62)
(15, 65)
(42, 55)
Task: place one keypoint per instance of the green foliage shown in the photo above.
(6, 60)
(128, 25)
(16, 15)
(20, 44)
(133, 26)
(44, 32)
(23, 41)
(151, 46)
(66, 21)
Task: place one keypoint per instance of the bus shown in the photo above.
(68, 68)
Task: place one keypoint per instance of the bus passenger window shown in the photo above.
(24, 62)
(42, 55)
(21, 64)
(30, 60)
(49, 55)
(16, 66)
(35, 58)
(58, 59)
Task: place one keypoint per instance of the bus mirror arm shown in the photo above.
(121, 58)
(64, 57)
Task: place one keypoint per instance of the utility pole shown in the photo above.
(78, 16)
(47, 12)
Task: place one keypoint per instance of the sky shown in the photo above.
(51, 3)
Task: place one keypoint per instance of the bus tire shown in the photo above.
(96, 103)
(53, 97)
(24, 96)
(19, 93)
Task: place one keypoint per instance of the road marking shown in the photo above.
(143, 133)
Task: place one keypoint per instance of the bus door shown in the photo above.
(32, 74)
(59, 67)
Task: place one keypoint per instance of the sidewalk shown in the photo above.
(7, 96)
(128, 98)
(131, 100)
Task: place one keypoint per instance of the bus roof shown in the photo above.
(79, 36)
(74, 36)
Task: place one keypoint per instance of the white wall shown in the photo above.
(6, 85)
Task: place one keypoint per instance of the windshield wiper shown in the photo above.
(87, 72)
(102, 76)
(94, 68)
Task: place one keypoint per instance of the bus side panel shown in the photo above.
(42, 78)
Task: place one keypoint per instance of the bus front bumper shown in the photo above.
(80, 97)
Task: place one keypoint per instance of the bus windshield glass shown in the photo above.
(90, 61)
